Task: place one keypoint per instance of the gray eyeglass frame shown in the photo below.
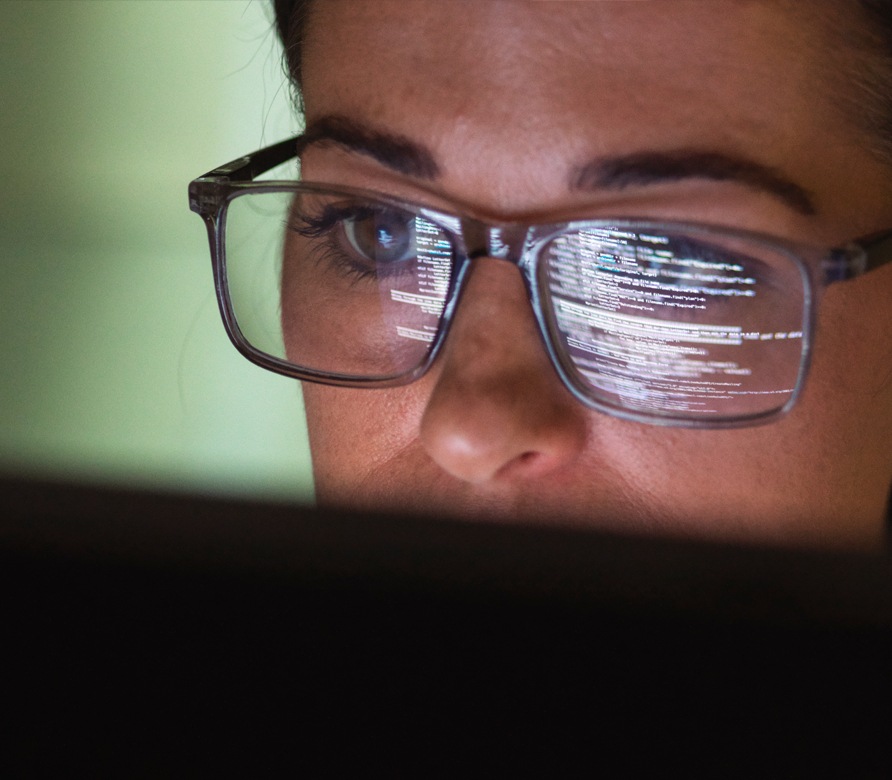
(210, 195)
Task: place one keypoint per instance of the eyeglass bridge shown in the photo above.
(503, 242)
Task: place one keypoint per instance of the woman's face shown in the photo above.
(510, 99)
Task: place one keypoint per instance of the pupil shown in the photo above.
(384, 237)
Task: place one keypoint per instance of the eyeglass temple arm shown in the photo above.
(204, 191)
(252, 165)
(879, 249)
(859, 257)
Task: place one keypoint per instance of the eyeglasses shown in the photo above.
(656, 322)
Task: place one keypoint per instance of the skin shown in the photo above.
(511, 98)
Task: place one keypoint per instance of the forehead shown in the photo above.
(634, 59)
(531, 86)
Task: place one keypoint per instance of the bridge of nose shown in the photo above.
(504, 242)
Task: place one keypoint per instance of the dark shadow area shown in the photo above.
(148, 634)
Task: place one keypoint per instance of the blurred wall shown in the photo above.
(115, 366)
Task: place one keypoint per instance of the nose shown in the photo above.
(497, 410)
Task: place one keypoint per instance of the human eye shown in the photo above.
(359, 239)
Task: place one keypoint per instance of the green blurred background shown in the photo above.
(115, 366)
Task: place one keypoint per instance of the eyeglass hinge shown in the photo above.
(206, 194)
(844, 263)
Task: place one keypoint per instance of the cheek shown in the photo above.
(354, 433)
(849, 391)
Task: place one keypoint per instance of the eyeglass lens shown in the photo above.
(678, 324)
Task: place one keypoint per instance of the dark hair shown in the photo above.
(291, 17)
(873, 75)
(870, 103)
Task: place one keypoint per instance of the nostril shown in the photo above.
(524, 465)
(533, 464)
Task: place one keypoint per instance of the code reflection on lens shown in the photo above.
(676, 325)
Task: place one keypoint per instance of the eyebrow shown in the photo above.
(402, 154)
(395, 151)
(658, 167)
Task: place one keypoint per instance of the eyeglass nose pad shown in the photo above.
(504, 242)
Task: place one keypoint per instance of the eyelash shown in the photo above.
(329, 250)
